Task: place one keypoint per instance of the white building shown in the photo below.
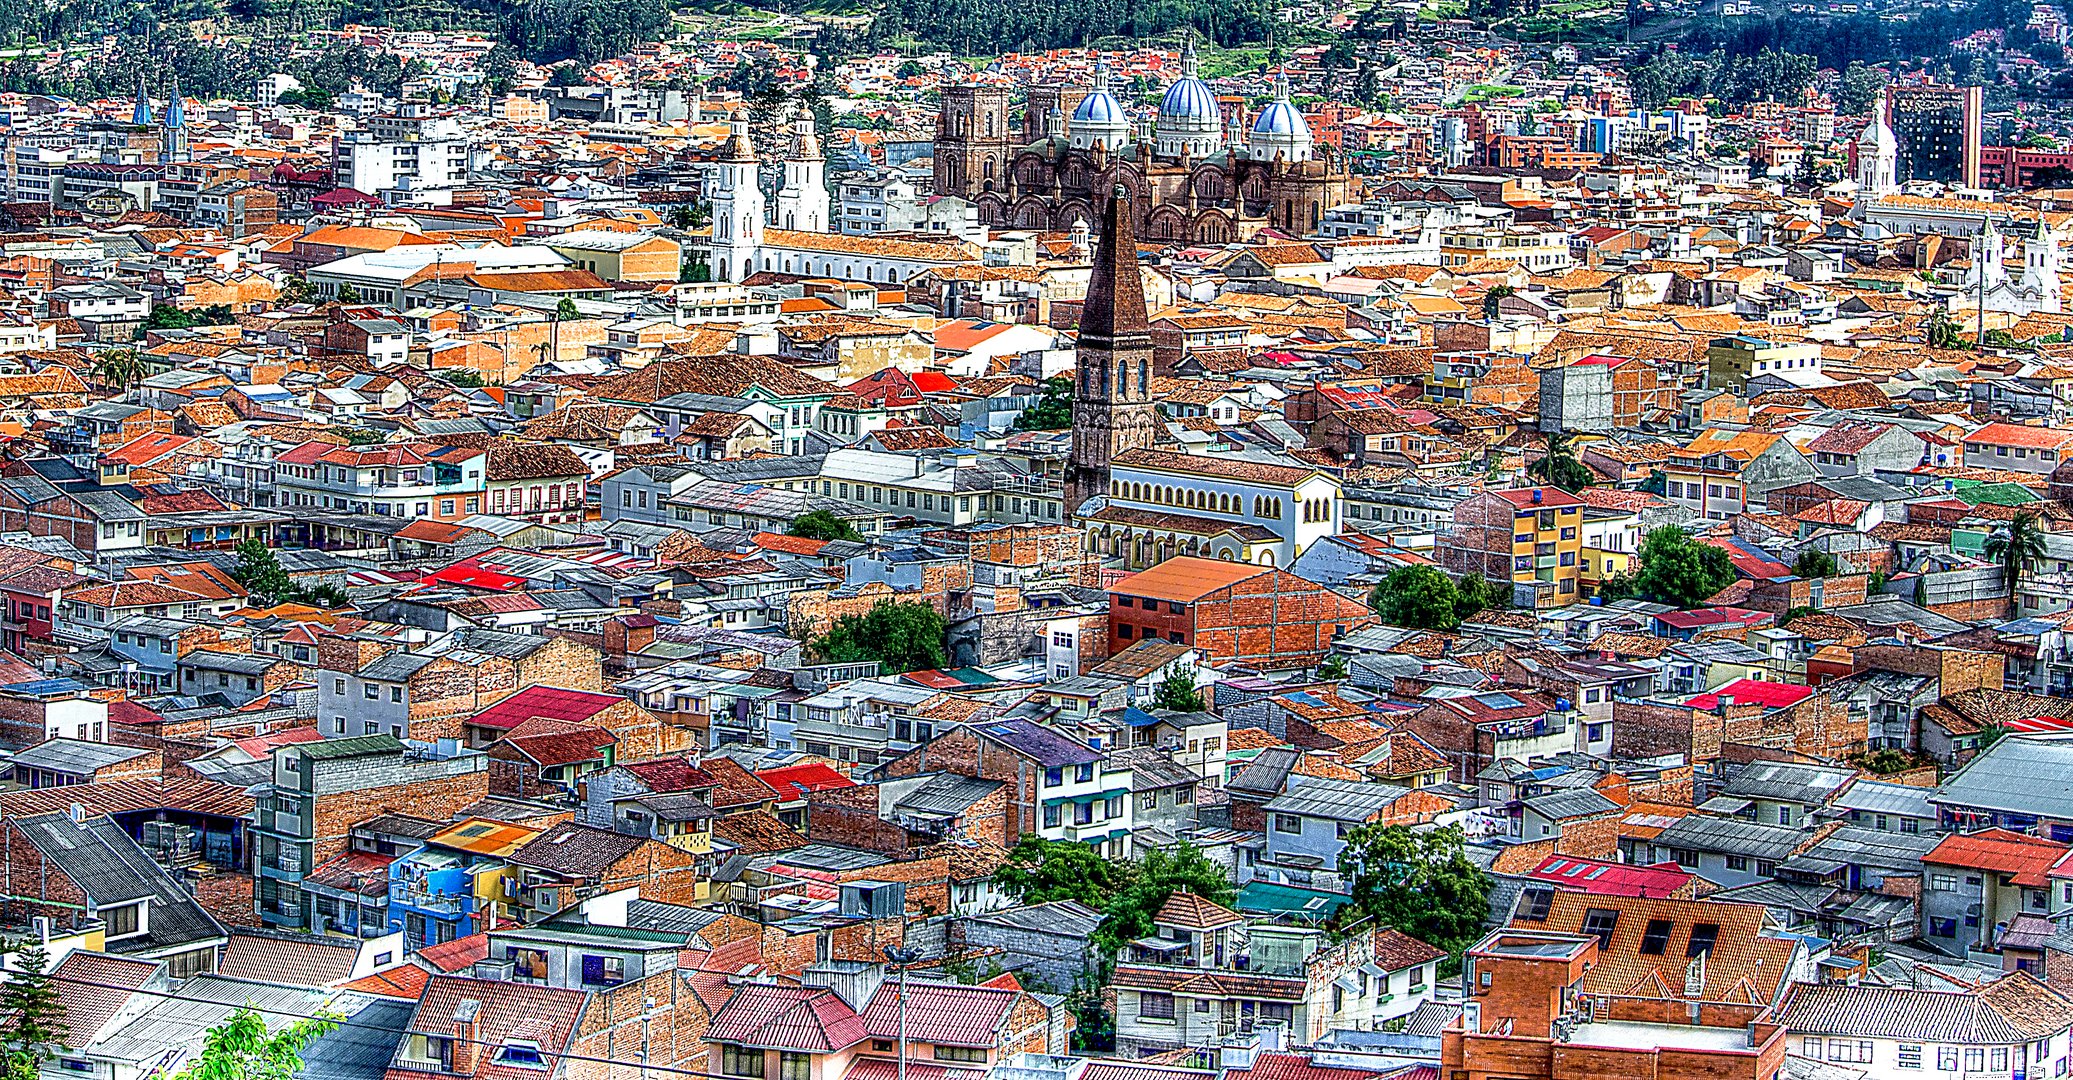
(417, 153)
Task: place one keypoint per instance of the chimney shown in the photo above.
(464, 1036)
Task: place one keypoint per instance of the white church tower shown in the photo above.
(802, 203)
(2041, 270)
(1878, 155)
(737, 208)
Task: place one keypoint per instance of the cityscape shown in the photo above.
(949, 540)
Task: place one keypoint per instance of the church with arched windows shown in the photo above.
(1192, 176)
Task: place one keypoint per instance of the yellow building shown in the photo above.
(1530, 537)
(620, 256)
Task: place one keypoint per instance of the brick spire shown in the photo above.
(1115, 316)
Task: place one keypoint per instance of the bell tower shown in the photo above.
(1112, 401)
(972, 141)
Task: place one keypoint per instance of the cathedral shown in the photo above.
(172, 128)
(1190, 176)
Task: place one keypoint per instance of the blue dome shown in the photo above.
(1191, 98)
(1280, 118)
(1099, 107)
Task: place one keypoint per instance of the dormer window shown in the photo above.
(122, 920)
(524, 1053)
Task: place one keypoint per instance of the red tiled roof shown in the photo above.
(2027, 860)
(1284, 1066)
(806, 1018)
(2036, 438)
(460, 954)
(944, 1013)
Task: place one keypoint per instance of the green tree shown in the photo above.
(1177, 692)
(30, 1002)
(1473, 594)
(1814, 563)
(823, 525)
(565, 310)
(499, 70)
(118, 368)
(1053, 410)
(901, 635)
(1128, 914)
(1419, 597)
(1942, 333)
(1332, 668)
(329, 596)
(296, 289)
(1422, 883)
(1493, 299)
(1678, 570)
(1797, 611)
(567, 75)
(1860, 87)
(2015, 546)
(462, 377)
(1039, 871)
(1558, 465)
(260, 572)
(241, 1048)
(348, 295)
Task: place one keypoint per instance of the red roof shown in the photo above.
(2027, 860)
(1770, 695)
(552, 702)
(946, 1014)
(1713, 616)
(1288, 1066)
(795, 781)
(1538, 498)
(1610, 878)
(773, 1017)
(1603, 360)
(474, 573)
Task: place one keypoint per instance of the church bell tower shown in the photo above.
(1112, 401)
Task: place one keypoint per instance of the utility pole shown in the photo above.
(901, 956)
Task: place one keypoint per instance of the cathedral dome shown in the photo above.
(1189, 121)
(1100, 117)
(1189, 98)
(1099, 107)
(1280, 130)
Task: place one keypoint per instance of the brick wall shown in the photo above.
(437, 798)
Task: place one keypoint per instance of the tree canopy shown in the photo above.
(259, 571)
(1422, 883)
(1053, 410)
(241, 1048)
(1419, 597)
(35, 1021)
(823, 525)
(901, 635)
(1177, 691)
(1673, 569)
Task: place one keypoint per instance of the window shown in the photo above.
(1703, 936)
(521, 1053)
(1149, 800)
(1975, 1059)
(1943, 882)
(792, 1065)
(1051, 816)
(603, 970)
(1998, 1059)
(1656, 937)
(1785, 815)
(969, 1054)
(1737, 862)
(1288, 823)
(126, 920)
(1908, 1055)
(1947, 1058)
(1811, 1047)
(1535, 904)
(1943, 928)
(1054, 777)
(1155, 1006)
(1850, 1051)
(741, 1061)
(1600, 921)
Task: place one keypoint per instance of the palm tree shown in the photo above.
(2015, 546)
(118, 368)
(1558, 465)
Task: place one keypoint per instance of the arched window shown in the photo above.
(1144, 375)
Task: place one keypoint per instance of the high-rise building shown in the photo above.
(1937, 129)
(1112, 411)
